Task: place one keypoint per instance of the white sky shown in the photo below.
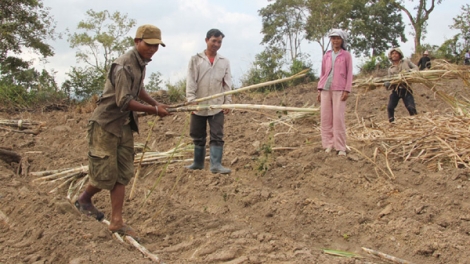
(184, 24)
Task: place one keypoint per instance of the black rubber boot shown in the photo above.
(216, 160)
(199, 156)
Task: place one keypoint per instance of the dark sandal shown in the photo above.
(126, 230)
(93, 212)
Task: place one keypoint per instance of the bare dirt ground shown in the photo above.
(282, 206)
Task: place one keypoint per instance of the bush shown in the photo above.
(16, 97)
(375, 63)
(298, 66)
(266, 67)
(177, 91)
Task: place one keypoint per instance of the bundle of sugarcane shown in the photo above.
(427, 138)
(154, 157)
(425, 77)
(430, 78)
(79, 175)
(440, 70)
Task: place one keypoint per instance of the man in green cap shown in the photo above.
(111, 127)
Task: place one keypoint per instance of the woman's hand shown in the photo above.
(344, 96)
(319, 96)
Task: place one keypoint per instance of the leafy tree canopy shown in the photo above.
(25, 24)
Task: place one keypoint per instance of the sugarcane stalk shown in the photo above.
(83, 169)
(71, 189)
(136, 244)
(371, 161)
(254, 86)
(79, 187)
(191, 108)
(71, 175)
(62, 184)
(46, 173)
(386, 256)
(139, 166)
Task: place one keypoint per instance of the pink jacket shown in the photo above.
(342, 75)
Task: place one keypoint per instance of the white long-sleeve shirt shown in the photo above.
(206, 79)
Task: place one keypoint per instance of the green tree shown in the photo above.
(419, 21)
(450, 50)
(322, 16)
(99, 40)
(83, 82)
(283, 26)
(268, 66)
(25, 25)
(154, 82)
(375, 27)
(462, 23)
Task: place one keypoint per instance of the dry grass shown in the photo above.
(427, 138)
(432, 139)
(87, 106)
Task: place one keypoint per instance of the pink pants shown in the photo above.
(333, 127)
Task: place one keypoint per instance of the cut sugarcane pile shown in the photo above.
(77, 177)
(426, 138)
(21, 126)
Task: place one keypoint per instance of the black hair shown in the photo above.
(214, 33)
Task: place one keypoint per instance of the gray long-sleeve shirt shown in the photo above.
(206, 79)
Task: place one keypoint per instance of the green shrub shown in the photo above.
(177, 91)
(374, 63)
(266, 67)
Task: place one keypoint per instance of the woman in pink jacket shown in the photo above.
(333, 90)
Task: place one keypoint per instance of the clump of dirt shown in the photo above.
(285, 200)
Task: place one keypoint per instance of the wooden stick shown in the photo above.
(386, 256)
(254, 86)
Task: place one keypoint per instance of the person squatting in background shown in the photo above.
(401, 90)
(208, 74)
(425, 61)
(333, 91)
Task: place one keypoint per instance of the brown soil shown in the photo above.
(279, 207)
